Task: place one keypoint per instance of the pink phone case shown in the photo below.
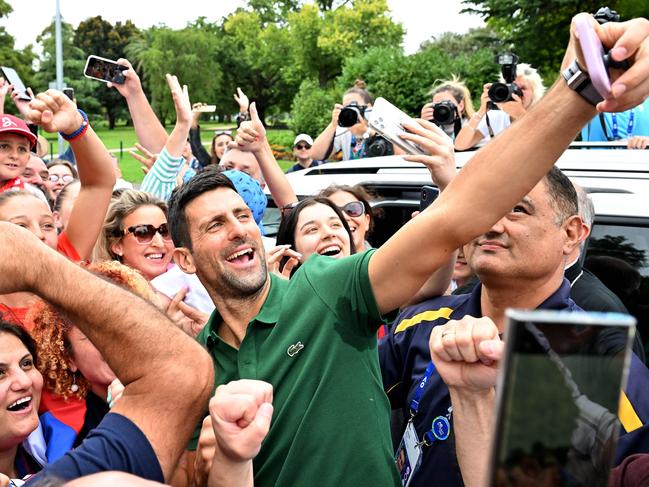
(593, 52)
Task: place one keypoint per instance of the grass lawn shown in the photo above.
(126, 136)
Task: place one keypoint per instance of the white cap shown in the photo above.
(303, 138)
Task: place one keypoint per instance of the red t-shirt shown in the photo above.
(65, 247)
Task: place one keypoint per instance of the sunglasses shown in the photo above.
(144, 233)
(66, 178)
(302, 146)
(353, 209)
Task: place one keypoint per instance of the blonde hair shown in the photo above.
(533, 76)
(120, 207)
(456, 87)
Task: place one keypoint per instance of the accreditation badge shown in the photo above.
(409, 454)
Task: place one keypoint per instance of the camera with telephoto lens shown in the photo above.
(377, 146)
(502, 92)
(444, 113)
(351, 114)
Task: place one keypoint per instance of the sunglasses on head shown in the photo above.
(66, 178)
(353, 209)
(144, 233)
(302, 146)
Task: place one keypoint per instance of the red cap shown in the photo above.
(14, 125)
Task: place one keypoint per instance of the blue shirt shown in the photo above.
(404, 356)
(116, 444)
(593, 132)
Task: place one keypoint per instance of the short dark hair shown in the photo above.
(562, 194)
(21, 334)
(207, 180)
(286, 232)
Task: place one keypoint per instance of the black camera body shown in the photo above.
(605, 14)
(503, 92)
(378, 146)
(444, 113)
(351, 114)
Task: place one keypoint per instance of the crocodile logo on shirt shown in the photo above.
(294, 349)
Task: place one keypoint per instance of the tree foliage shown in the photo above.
(19, 59)
(538, 31)
(311, 109)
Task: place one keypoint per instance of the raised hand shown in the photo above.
(22, 105)
(54, 112)
(251, 135)
(274, 257)
(147, 159)
(440, 160)
(513, 108)
(188, 318)
(181, 100)
(241, 98)
(132, 84)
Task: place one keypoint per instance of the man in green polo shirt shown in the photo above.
(313, 337)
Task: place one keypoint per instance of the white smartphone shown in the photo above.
(12, 78)
(388, 121)
(207, 108)
(105, 70)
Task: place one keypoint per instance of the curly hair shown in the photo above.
(52, 328)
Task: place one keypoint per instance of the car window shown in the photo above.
(619, 255)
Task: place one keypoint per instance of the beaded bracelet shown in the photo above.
(80, 131)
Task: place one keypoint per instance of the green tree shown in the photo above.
(96, 36)
(538, 31)
(19, 59)
(190, 53)
(311, 109)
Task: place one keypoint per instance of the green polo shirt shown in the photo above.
(314, 340)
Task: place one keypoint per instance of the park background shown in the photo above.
(294, 58)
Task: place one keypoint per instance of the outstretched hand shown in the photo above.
(132, 84)
(251, 135)
(54, 112)
(242, 100)
(440, 160)
(181, 100)
(147, 159)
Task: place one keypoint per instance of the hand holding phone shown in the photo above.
(105, 70)
(593, 52)
(13, 79)
(388, 121)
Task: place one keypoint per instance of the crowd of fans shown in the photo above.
(156, 334)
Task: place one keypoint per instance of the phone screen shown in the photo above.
(12, 78)
(104, 70)
(557, 418)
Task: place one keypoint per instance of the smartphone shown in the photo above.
(13, 79)
(104, 70)
(428, 195)
(69, 92)
(207, 108)
(593, 52)
(388, 121)
(558, 397)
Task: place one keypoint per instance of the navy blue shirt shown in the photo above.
(404, 356)
(116, 444)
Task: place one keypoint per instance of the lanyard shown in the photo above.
(629, 128)
(441, 427)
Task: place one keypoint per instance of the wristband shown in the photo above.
(80, 131)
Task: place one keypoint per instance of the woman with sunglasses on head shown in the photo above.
(135, 233)
(61, 173)
(353, 201)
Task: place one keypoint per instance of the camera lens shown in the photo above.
(443, 113)
(377, 146)
(349, 116)
(499, 92)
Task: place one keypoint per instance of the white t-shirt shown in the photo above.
(499, 121)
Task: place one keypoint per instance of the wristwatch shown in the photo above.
(579, 81)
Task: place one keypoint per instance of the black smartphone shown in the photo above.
(558, 396)
(105, 70)
(428, 195)
(69, 92)
(12, 78)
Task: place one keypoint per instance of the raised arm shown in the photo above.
(167, 375)
(148, 129)
(251, 137)
(161, 179)
(502, 172)
(55, 112)
(321, 149)
(469, 135)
